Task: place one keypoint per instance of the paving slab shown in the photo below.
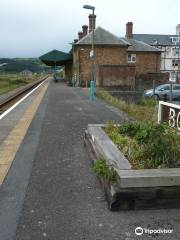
(63, 198)
(10, 120)
(11, 144)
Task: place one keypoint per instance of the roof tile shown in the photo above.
(102, 37)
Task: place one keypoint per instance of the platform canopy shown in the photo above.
(56, 58)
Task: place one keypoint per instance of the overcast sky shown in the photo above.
(30, 28)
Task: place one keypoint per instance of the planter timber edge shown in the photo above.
(135, 189)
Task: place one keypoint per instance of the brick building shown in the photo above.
(117, 60)
(170, 46)
(108, 50)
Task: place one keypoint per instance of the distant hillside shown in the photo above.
(16, 65)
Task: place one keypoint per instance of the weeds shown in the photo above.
(9, 82)
(150, 102)
(147, 145)
(105, 171)
(146, 110)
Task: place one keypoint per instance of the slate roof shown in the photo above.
(139, 46)
(102, 37)
(163, 40)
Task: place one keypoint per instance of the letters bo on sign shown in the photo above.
(169, 113)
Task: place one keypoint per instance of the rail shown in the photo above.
(6, 101)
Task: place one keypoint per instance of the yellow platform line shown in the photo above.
(11, 144)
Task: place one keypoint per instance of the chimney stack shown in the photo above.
(80, 35)
(129, 30)
(178, 30)
(92, 22)
(84, 30)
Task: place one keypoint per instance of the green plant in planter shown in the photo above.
(129, 129)
(103, 170)
(147, 145)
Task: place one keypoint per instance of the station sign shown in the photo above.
(169, 113)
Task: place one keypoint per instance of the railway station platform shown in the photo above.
(50, 190)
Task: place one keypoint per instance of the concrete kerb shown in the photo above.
(135, 189)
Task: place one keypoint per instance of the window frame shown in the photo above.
(131, 55)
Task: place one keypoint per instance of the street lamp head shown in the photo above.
(89, 7)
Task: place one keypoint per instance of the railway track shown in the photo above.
(8, 101)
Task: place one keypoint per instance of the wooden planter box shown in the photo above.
(135, 189)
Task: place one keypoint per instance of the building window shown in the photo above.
(167, 50)
(132, 58)
(175, 62)
(175, 39)
(176, 51)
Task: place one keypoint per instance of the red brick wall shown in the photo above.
(117, 75)
(110, 55)
(103, 55)
(147, 63)
(85, 66)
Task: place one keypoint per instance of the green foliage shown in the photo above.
(129, 129)
(149, 133)
(144, 143)
(144, 111)
(112, 100)
(17, 65)
(18, 81)
(147, 145)
(150, 102)
(105, 171)
(9, 82)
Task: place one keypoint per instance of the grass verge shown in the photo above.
(146, 110)
(9, 82)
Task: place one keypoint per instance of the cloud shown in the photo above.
(30, 28)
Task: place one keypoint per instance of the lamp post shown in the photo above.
(92, 83)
